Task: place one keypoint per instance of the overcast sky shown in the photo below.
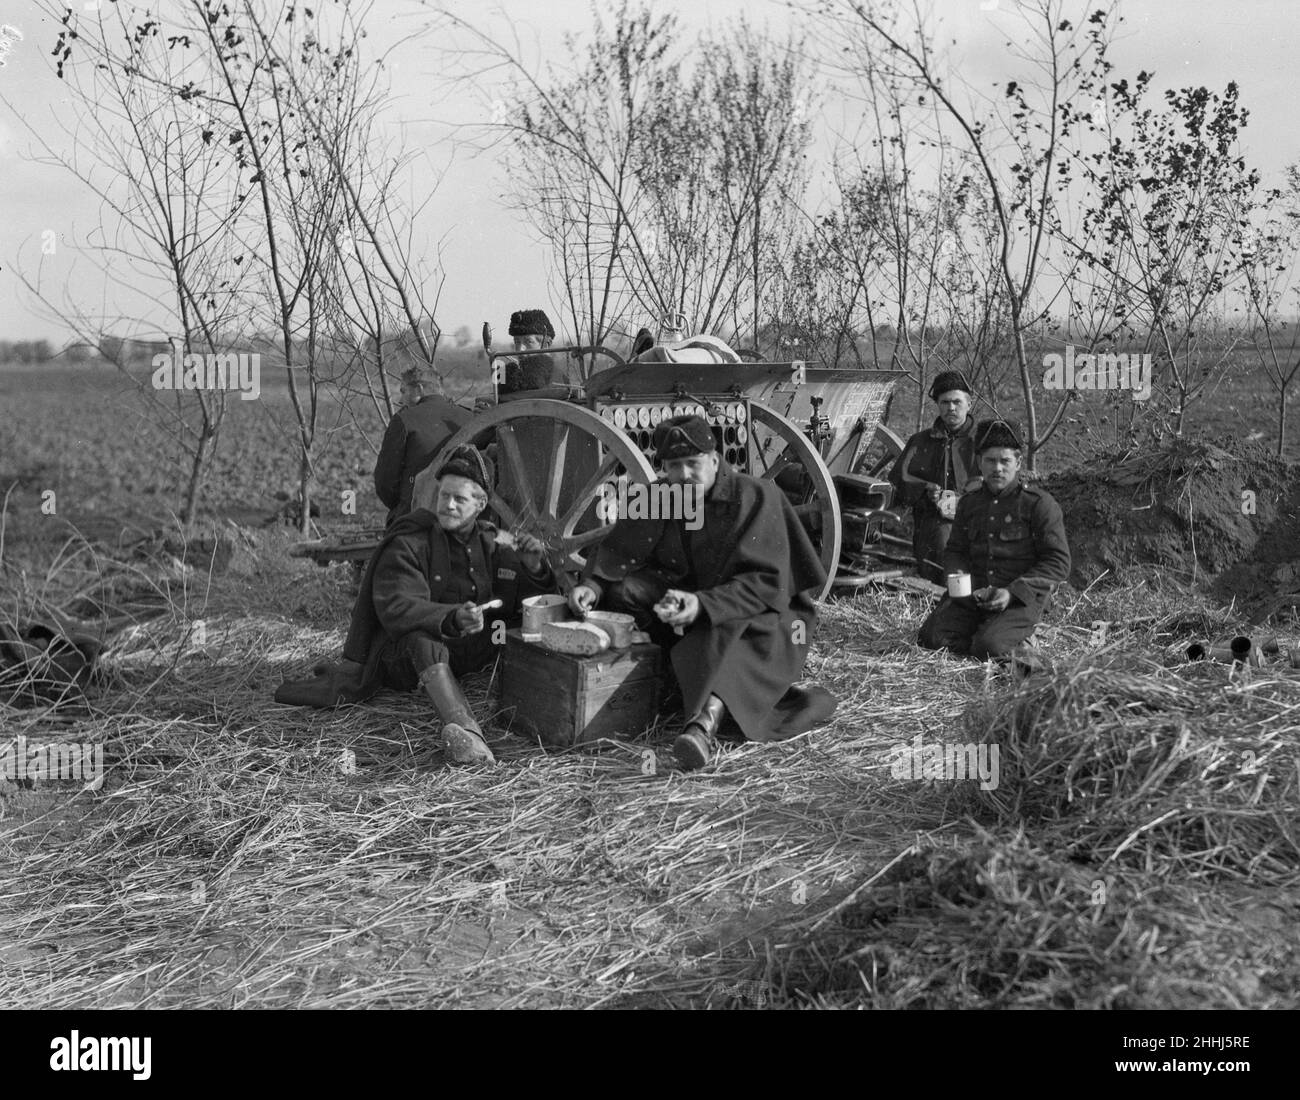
(493, 263)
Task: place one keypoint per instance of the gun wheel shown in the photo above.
(553, 460)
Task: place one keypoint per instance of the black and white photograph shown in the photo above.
(676, 505)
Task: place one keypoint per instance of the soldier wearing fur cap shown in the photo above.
(531, 331)
(1010, 537)
(740, 586)
(414, 437)
(935, 469)
(418, 620)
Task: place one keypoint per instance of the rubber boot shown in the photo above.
(462, 738)
(698, 741)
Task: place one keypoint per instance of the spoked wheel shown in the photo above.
(782, 453)
(552, 459)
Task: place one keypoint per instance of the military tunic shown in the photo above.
(1013, 540)
(934, 457)
(403, 620)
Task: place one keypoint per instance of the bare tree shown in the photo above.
(660, 176)
(893, 46)
(302, 211)
(1167, 222)
(148, 155)
(1268, 269)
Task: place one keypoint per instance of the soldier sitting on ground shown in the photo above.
(418, 618)
(1010, 538)
(740, 584)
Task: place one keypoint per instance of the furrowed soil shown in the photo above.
(244, 854)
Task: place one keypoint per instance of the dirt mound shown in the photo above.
(1269, 580)
(1195, 507)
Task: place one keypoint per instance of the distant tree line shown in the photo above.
(25, 351)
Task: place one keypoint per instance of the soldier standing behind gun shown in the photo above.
(414, 437)
(936, 468)
(531, 330)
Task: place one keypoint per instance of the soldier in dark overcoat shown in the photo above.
(937, 467)
(739, 581)
(414, 437)
(1010, 538)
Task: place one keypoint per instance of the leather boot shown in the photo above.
(698, 741)
(331, 683)
(462, 738)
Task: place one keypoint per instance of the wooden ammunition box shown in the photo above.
(566, 700)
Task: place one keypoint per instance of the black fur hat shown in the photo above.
(996, 433)
(531, 322)
(947, 381)
(467, 462)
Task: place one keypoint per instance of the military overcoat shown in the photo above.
(413, 439)
(757, 576)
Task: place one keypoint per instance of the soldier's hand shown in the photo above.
(531, 551)
(933, 492)
(469, 619)
(582, 599)
(947, 504)
(678, 608)
(993, 599)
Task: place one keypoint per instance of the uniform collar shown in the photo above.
(462, 537)
(1007, 493)
(940, 429)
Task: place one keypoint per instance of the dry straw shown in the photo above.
(242, 854)
(1194, 771)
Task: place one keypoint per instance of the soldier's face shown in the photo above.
(999, 465)
(459, 503)
(534, 341)
(954, 406)
(411, 394)
(701, 470)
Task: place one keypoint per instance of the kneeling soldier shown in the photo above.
(738, 578)
(1010, 537)
(419, 616)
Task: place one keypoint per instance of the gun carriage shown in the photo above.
(818, 433)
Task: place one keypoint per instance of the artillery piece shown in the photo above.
(818, 433)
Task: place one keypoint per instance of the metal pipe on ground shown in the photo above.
(1240, 649)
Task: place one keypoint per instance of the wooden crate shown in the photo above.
(566, 700)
